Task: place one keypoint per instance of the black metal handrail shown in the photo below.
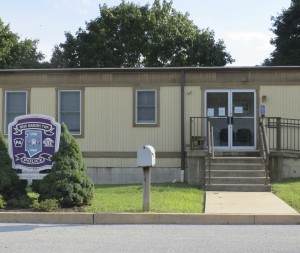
(211, 152)
(198, 126)
(283, 133)
(264, 149)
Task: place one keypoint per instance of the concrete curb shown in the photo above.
(189, 219)
(149, 218)
(47, 218)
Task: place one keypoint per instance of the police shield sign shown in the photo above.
(33, 139)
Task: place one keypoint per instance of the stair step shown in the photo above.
(254, 153)
(236, 173)
(237, 160)
(238, 180)
(238, 187)
(236, 166)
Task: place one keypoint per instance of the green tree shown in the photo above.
(130, 35)
(16, 53)
(286, 27)
(67, 181)
(11, 188)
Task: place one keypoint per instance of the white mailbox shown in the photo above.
(146, 156)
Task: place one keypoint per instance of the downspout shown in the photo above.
(182, 155)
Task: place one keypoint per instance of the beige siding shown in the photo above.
(193, 107)
(282, 101)
(193, 100)
(109, 121)
(108, 100)
(43, 101)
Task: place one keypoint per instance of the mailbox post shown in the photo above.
(146, 159)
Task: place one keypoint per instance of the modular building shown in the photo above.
(113, 112)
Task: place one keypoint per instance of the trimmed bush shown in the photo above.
(67, 181)
(11, 187)
(2, 202)
(35, 185)
(19, 202)
(47, 205)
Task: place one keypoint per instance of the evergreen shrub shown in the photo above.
(47, 205)
(2, 202)
(12, 189)
(68, 181)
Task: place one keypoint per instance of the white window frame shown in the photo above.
(5, 107)
(136, 121)
(80, 109)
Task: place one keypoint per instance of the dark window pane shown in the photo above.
(70, 110)
(146, 107)
(15, 106)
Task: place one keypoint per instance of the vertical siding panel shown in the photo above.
(193, 107)
(109, 121)
(121, 109)
(282, 101)
(169, 134)
(43, 101)
(108, 116)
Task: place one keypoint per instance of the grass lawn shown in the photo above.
(289, 191)
(170, 198)
(165, 198)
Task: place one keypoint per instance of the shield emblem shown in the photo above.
(33, 139)
(33, 142)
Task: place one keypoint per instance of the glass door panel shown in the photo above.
(217, 110)
(243, 122)
(217, 104)
(220, 126)
(243, 104)
(243, 129)
(232, 115)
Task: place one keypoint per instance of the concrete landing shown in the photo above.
(245, 203)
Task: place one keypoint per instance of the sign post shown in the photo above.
(146, 186)
(33, 139)
(146, 159)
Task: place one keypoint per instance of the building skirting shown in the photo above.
(195, 169)
(131, 175)
(284, 165)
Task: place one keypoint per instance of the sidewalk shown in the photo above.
(246, 203)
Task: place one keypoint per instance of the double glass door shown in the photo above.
(232, 114)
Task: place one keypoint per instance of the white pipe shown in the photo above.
(182, 176)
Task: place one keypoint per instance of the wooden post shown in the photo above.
(146, 184)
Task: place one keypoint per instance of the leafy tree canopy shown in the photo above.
(16, 53)
(286, 27)
(130, 35)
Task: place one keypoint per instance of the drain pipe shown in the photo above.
(182, 155)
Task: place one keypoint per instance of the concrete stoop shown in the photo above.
(148, 218)
(244, 174)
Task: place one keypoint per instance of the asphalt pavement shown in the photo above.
(36, 238)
